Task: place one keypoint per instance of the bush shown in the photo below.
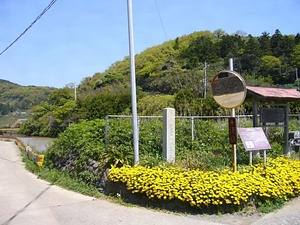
(76, 148)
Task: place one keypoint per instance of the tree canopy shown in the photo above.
(176, 74)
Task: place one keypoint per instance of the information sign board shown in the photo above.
(254, 138)
(272, 115)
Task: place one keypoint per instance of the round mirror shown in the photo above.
(228, 89)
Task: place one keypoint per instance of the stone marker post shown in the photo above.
(169, 135)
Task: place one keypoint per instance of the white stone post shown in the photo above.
(169, 135)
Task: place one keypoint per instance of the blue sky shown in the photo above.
(77, 38)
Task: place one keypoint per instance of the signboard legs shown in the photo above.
(251, 156)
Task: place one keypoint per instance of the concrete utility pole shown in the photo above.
(133, 84)
(205, 79)
(75, 92)
(297, 78)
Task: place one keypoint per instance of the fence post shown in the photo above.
(192, 126)
(106, 131)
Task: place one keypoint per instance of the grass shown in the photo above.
(61, 179)
(64, 180)
(271, 205)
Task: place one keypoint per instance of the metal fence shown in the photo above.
(188, 121)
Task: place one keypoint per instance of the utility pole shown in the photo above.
(297, 78)
(205, 79)
(133, 84)
(75, 91)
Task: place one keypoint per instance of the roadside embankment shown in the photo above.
(37, 158)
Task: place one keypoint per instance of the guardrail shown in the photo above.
(37, 158)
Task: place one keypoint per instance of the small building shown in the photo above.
(278, 99)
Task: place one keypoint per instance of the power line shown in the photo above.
(39, 16)
(161, 21)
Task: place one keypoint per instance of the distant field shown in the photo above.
(8, 121)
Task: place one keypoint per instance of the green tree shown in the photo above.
(49, 119)
(186, 103)
(276, 43)
(250, 60)
(288, 46)
(153, 105)
(200, 50)
(271, 67)
(4, 109)
(265, 44)
(64, 115)
(61, 96)
(176, 44)
(231, 46)
(297, 39)
(98, 106)
(252, 46)
(38, 124)
(219, 33)
(296, 57)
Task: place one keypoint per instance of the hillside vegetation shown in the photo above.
(180, 63)
(14, 97)
(173, 74)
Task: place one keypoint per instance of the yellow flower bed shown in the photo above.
(279, 178)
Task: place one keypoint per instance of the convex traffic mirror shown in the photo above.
(228, 89)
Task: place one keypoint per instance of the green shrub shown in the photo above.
(210, 149)
(73, 149)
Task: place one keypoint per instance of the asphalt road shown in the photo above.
(25, 199)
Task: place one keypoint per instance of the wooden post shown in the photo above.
(286, 129)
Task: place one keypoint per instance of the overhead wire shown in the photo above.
(166, 36)
(161, 22)
(36, 19)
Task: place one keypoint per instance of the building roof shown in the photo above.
(273, 94)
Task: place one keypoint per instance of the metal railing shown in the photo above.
(192, 120)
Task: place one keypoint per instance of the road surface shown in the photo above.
(25, 199)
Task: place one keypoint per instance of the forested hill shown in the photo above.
(16, 97)
(172, 74)
(269, 59)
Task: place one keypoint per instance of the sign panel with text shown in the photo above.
(254, 138)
